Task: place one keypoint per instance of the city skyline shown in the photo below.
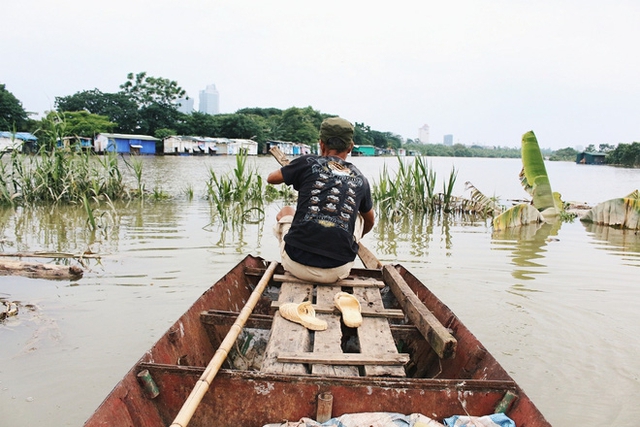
(209, 100)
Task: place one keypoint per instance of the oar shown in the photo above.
(191, 404)
(366, 256)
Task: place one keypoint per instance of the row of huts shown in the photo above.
(143, 144)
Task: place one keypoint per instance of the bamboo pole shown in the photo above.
(191, 404)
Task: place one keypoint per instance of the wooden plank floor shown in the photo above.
(375, 334)
(329, 341)
(288, 336)
(292, 341)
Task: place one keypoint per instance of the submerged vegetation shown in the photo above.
(237, 196)
(413, 190)
(60, 177)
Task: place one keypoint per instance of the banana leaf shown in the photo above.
(534, 176)
(622, 212)
(535, 181)
(521, 214)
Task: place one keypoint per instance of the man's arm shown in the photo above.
(275, 177)
(369, 220)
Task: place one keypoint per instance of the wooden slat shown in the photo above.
(366, 312)
(345, 282)
(368, 259)
(345, 358)
(329, 341)
(286, 335)
(227, 318)
(375, 335)
(439, 337)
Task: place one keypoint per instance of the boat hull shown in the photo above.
(471, 382)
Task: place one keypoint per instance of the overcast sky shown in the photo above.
(484, 71)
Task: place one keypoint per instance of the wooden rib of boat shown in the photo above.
(410, 355)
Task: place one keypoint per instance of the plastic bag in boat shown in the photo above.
(493, 420)
(373, 419)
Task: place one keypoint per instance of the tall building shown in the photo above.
(423, 134)
(209, 100)
(448, 140)
(185, 105)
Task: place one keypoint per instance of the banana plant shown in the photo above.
(546, 205)
(622, 212)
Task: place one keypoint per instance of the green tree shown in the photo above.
(605, 148)
(564, 154)
(262, 112)
(118, 107)
(199, 124)
(361, 134)
(83, 123)
(157, 116)
(625, 155)
(12, 115)
(164, 133)
(146, 90)
(237, 126)
(460, 150)
(299, 125)
(156, 100)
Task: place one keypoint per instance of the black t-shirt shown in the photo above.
(331, 192)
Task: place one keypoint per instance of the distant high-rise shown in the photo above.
(448, 140)
(185, 105)
(423, 134)
(209, 100)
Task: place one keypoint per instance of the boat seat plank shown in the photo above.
(370, 360)
(438, 336)
(350, 281)
(288, 336)
(375, 335)
(329, 342)
(328, 308)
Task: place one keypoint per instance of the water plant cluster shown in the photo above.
(238, 195)
(413, 190)
(59, 176)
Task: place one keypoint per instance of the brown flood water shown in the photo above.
(558, 308)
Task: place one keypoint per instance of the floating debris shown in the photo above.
(8, 309)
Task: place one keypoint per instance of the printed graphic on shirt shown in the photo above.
(333, 194)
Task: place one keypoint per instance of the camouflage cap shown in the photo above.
(336, 127)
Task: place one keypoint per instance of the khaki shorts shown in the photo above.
(308, 273)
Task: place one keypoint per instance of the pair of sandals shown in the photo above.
(305, 315)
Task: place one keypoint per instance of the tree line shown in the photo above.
(627, 155)
(149, 106)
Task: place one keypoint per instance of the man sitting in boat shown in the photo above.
(319, 238)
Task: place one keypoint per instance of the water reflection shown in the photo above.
(528, 244)
(418, 233)
(624, 243)
(416, 230)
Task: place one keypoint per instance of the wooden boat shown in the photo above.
(410, 355)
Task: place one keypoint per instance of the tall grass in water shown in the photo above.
(60, 176)
(237, 195)
(412, 191)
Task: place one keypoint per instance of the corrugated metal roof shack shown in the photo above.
(585, 158)
(125, 144)
(23, 141)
